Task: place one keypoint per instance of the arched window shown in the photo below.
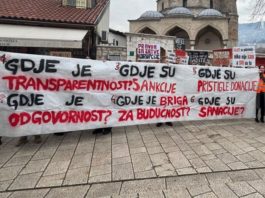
(209, 38)
(211, 3)
(182, 38)
(185, 2)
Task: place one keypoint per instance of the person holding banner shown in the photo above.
(24, 139)
(260, 95)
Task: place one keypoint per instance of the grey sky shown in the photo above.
(123, 10)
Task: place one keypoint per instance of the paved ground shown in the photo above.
(192, 159)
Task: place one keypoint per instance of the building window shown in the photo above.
(185, 2)
(104, 36)
(81, 3)
(211, 3)
(114, 57)
(71, 2)
(117, 43)
(93, 3)
(163, 6)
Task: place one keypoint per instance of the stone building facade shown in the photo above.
(113, 53)
(115, 49)
(200, 24)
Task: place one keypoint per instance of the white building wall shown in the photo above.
(122, 42)
(103, 24)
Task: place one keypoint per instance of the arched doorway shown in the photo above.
(147, 30)
(182, 38)
(209, 38)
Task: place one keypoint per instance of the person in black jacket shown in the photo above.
(260, 99)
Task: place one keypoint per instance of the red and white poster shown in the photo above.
(244, 57)
(222, 57)
(46, 94)
(182, 57)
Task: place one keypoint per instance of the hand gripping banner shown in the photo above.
(45, 94)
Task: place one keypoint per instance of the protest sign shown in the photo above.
(180, 43)
(182, 57)
(171, 58)
(222, 57)
(45, 94)
(147, 52)
(244, 57)
(198, 57)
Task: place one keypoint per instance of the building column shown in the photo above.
(192, 44)
(225, 43)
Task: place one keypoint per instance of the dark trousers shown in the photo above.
(261, 107)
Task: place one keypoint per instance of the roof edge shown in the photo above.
(45, 23)
(102, 12)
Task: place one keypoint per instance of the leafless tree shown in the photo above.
(259, 10)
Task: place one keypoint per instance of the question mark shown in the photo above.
(188, 111)
(109, 112)
(243, 110)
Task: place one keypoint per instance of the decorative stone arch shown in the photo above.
(179, 33)
(173, 26)
(195, 33)
(208, 38)
(146, 30)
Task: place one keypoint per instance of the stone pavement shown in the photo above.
(246, 184)
(192, 159)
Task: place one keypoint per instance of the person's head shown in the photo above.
(262, 69)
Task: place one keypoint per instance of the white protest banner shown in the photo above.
(148, 52)
(45, 94)
(244, 57)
